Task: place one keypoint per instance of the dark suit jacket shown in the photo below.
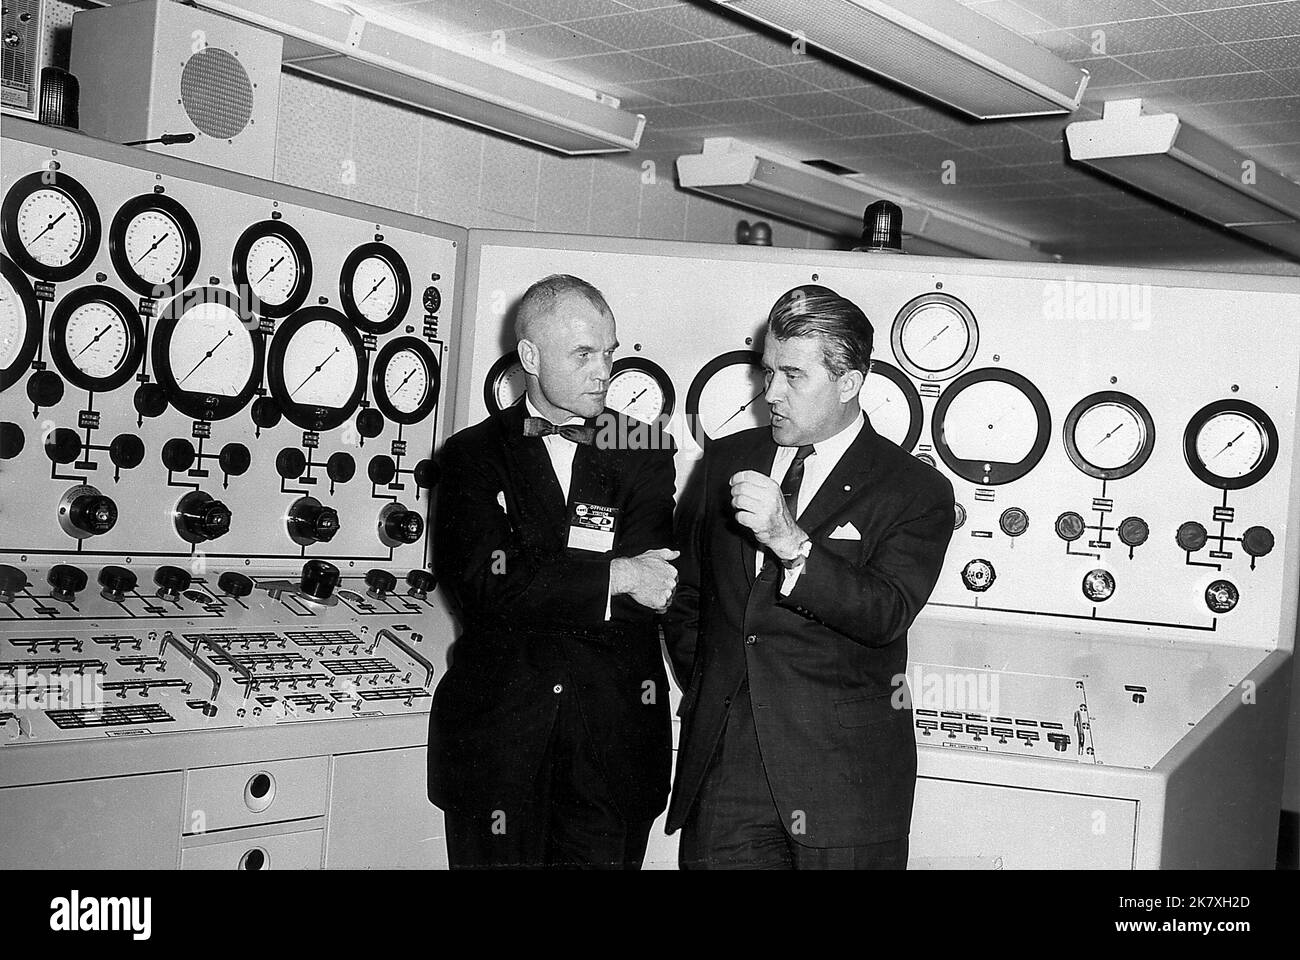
(533, 616)
(839, 752)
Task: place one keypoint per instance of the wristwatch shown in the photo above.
(800, 556)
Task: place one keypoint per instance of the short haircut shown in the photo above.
(815, 311)
(539, 300)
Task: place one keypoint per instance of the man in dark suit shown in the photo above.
(808, 549)
(549, 736)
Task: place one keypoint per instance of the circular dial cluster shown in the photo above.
(207, 353)
(892, 404)
(154, 245)
(934, 336)
(50, 225)
(991, 426)
(640, 389)
(406, 380)
(726, 396)
(96, 338)
(375, 287)
(1230, 444)
(316, 368)
(20, 323)
(272, 266)
(505, 383)
(1109, 435)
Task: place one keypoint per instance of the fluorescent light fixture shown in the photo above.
(1161, 155)
(345, 46)
(781, 187)
(938, 48)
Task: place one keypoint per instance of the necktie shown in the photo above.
(577, 432)
(790, 491)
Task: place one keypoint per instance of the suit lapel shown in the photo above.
(844, 483)
(532, 471)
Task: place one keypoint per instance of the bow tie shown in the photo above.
(577, 432)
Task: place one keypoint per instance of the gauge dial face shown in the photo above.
(406, 380)
(1109, 435)
(272, 263)
(934, 336)
(375, 284)
(375, 287)
(991, 426)
(316, 368)
(96, 338)
(1231, 444)
(892, 405)
(207, 354)
(640, 389)
(726, 396)
(505, 383)
(13, 325)
(50, 225)
(154, 245)
(20, 324)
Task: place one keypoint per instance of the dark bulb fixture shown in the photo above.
(882, 228)
(757, 234)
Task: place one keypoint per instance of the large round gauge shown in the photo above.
(50, 225)
(640, 389)
(934, 336)
(375, 287)
(1109, 435)
(892, 404)
(20, 323)
(316, 368)
(1230, 444)
(991, 426)
(405, 380)
(726, 396)
(96, 338)
(207, 353)
(154, 245)
(272, 264)
(505, 383)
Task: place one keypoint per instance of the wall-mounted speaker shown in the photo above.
(156, 67)
(22, 52)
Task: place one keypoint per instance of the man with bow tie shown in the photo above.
(808, 547)
(549, 736)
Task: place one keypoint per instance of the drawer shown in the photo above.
(287, 851)
(217, 798)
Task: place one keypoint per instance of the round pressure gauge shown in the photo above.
(316, 368)
(1109, 435)
(1230, 444)
(207, 353)
(96, 338)
(934, 336)
(272, 267)
(20, 323)
(726, 396)
(154, 245)
(375, 287)
(50, 225)
(892, 405)
(640, 389)
(991, 426)
(405, 380)
(505, 383)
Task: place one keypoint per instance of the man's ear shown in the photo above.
(851, 385)
(529, 357)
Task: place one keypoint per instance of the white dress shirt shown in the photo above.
(816, 468)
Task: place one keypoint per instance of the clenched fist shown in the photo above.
(648, 578)
(760, 507)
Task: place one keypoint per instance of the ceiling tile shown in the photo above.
(769, 50)
(1141, 36)
(609, 68)
(700, 58)
(458, 19)
(1274, 54)
(708, 21)
(668, 118)
(1074, 13)
(812, 105)
(632, 31)
(1106, 72)
(738, 111)
(547, 42)
(1250, 23)
(557, 11)
(679, 90)
(864, 124)
(1209, 61)
(761, 82)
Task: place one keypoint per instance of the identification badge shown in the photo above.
(591, 527)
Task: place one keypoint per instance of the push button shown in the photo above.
(752, 639)
(558, 688)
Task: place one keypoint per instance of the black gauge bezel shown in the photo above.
(22, 287)
(176, 212)
(311, 416)
(380, 395)
(1203, 416)
(119, 303)
(656, 373)
(239, 266)
(1077, 456)
(910, 393)
(24, 187)
(707, 372)
(204, 406)
(998, 473)
(494, 375)
(347, 296)
(905, 314)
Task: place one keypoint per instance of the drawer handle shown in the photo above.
(255, 859)
(259, 792)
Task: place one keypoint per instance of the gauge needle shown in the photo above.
(313, 373)
(269, 269)
(935, 337)
(1230, 442)
(400, 385)
(49, 226)
(1108, 436)
(373, 289)
(882, 403)
(206, 357)
(637, 397)
(151, 249)
(742, 409)
(92, 342)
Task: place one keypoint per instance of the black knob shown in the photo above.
(1191, 536)
(12, 440)
(126, 451)
(420, 583)
(171, 581)
(178, 454)
(1069, 526)
(1014, 521)
(1133, 531)
(150, 401)
(235, 584)
(427, 474)
(235, 459)
(66, 580)
(93, 514)
(63, 445)
(978, 575)
(380, 582)
(117, 582)
(312, 522)
(341, 467)
(45, 388)
(199, 517)
(319, 578)
(381, 469)
(12, 582)
(266, 412)
(404, 526)
(290, 463)
(370, 423)
(1257, 541)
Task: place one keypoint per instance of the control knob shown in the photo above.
(66, 581)
(310, 522)
(978, 575)
(1257, 541)
(380, 582)
(85, 512)
(116, 582)
(398, 526)
(420, 583)
(199, 517)
(12, 582)
(319, 578)
(171, 581)
(234, 584)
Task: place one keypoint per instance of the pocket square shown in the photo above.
(845, 531)
(501, 498)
